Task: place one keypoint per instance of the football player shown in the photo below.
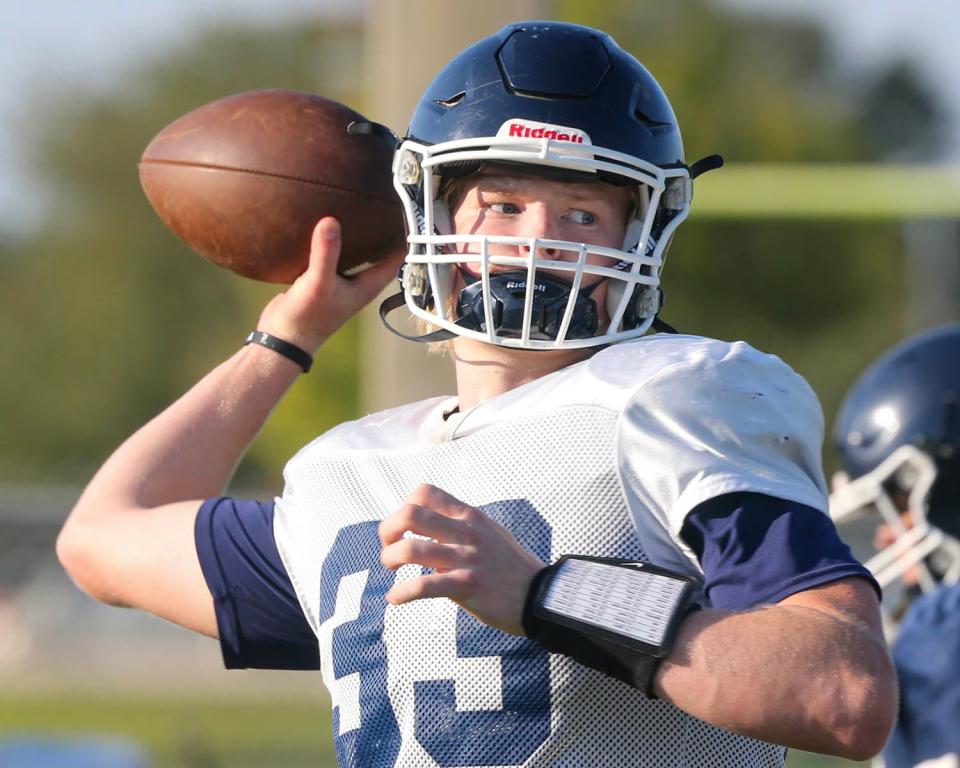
(898, 435)
(610, 547)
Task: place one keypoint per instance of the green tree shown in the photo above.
(899, 119)
(112, 316)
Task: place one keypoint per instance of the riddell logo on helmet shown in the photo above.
(527, 129)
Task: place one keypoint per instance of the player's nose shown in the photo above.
(538, 224)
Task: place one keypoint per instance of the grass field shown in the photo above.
(184, 732)
(207, 732)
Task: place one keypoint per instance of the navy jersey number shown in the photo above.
(352, 585)
(352, 609)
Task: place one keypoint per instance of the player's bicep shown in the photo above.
(147, 559)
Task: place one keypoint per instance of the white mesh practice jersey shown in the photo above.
(603, 458)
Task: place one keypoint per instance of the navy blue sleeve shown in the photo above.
(756, 549)
(260, 621)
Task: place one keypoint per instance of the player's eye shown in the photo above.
(585, 218)
(505, 208)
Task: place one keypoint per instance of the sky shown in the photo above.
(868, 32)
(91, 42)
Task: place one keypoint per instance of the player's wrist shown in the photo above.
(279, 346)
(298, 331)
(616, 616)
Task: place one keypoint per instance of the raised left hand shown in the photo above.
(476, 561)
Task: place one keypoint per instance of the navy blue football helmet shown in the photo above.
(898, 436)
(550, 99)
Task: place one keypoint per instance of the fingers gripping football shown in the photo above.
(320, 300)
(476, 561)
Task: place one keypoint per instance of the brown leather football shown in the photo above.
(244, 179)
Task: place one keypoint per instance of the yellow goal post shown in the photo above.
(829, 191)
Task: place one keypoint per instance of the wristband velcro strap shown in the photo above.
(281, 347)
(617, 616)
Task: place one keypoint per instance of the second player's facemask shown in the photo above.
(901, 483)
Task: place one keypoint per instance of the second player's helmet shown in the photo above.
(553, 99)
(898, 435)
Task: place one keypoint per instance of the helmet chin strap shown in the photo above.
(396, 301)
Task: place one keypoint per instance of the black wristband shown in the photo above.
(281, 347)
(597, 642)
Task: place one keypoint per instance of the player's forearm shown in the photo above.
(787, 674)
(191, 449)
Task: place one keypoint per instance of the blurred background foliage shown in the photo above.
(115, 317)
(108, 317)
